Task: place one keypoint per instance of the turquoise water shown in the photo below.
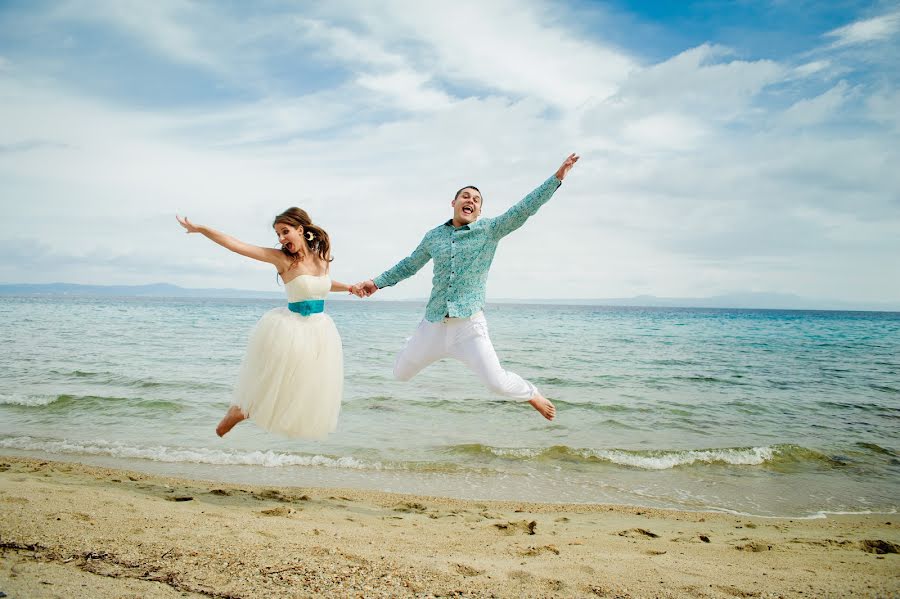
(762, 412)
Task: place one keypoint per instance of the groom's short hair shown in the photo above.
(461, 189)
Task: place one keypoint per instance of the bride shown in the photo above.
(291, 378)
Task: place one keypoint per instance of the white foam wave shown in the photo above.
(160, 453)
(751, 456)
(516, 452)
(18, 399)
(654, 460)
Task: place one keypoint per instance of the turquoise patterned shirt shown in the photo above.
(462, 257)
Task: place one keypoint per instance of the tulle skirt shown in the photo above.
(292, 378)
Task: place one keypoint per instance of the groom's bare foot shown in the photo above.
(543, 405)
(232, 417)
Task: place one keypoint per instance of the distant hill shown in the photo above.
(774, 301)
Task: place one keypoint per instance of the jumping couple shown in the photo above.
(291, 378)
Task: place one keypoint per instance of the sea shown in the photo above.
(759, 412)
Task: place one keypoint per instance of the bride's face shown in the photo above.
(289, 237)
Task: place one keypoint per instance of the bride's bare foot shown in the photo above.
(232, 417)
(543, 405)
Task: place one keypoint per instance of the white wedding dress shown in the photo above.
(291, 380)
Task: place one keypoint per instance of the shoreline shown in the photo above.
(442, 487)
(68, 528)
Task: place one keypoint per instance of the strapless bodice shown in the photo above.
(307, 287)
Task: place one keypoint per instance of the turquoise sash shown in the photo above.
(307, 307)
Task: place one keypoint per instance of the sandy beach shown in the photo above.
(69, 530)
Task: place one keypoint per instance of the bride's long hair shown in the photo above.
(316, 238)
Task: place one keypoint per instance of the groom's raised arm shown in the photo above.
(516, 216)
(525, 208)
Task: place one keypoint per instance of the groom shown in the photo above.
(454, 327)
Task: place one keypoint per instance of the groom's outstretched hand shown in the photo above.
(364, 289)
(563, 170)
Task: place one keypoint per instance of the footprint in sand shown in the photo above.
(520, 527)
(555, 585)
(490, 516)
(409, 507)
(279, 511)
(81, 516)
(274, 494)
(14, 499)
(879, 546)
(694, 539)
(736, 592)
(535, 551)
(468, 570)
(843, 544)
(638, 533)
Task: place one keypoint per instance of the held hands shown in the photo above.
(567, 166)
(364, 289)
(188, 225)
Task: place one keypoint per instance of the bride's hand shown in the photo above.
(189, 227)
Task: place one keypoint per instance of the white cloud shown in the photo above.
(664, 131)
(876, 29)
(165, 26)
(702, 81)
(339, 43)
(812, 111)
(406, 90)
(693, 180)
(882, 108)
(811, 68)
(516, 47)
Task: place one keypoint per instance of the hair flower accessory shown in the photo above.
(309, 236)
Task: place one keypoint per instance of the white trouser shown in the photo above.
(467, 340)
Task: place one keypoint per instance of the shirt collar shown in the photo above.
(449, 223)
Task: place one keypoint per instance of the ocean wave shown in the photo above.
(21, 399)
(197, 455)
(222, 457)
(700, 378)
(875, 448)
(87, 402)
(478, 405)
(124, 380)
(655, 459)
(885, 388)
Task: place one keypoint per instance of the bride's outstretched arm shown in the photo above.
(270, 255)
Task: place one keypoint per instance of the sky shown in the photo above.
(726, 147)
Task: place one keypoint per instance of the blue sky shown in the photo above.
(727, 146)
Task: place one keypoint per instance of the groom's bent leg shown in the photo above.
(473, 348)
(427, 345)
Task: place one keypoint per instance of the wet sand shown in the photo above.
(69, 530)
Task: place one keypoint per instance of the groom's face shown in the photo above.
(466, 206)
